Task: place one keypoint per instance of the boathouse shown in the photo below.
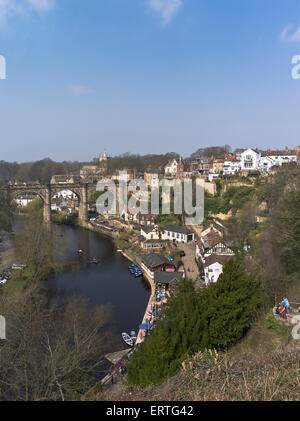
(170, 280)
(154, 262)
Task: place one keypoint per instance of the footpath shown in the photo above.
(293, 319)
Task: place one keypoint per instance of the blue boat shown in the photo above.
(135, 270)
(137, 274)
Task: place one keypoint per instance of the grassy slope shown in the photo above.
(265, 365)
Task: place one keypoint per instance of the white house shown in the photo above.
(271, 159)
(58, 205)
(65, 194)
(213, 267)
(180, 234)
(171, 168)
(150, 232)
(250, 160)
(231, 167)
(24, 200)
(266, 163)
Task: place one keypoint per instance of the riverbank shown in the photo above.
(136, 260)
(7, 250)
(151, 302)
(132, 258)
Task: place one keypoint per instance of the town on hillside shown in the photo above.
(197, 252)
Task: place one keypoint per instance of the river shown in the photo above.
(107, 282)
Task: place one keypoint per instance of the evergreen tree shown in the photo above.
(177, 334)
(212, 318)
(228, 306)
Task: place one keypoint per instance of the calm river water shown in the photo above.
(107, 282)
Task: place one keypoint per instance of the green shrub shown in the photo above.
(271, 323)
(216, 317)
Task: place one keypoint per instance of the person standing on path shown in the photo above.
(286, 305)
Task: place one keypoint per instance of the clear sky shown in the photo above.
(146, 76)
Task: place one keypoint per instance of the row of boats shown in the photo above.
(135, 270)
(130, 339)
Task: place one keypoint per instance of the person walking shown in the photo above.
(286, 305)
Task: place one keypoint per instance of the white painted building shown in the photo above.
(231, 167)
(65, 194)
(276, 159)
(213, 268)
(150, 232)
(250, 160)
(23, 201)
(60, 206)
(171, 168)
(179, 234)
(266, 163)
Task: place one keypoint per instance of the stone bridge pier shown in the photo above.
(47, 205)
(83, 204)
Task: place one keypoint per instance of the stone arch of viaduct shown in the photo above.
(46, 193)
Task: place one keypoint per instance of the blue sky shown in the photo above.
(146, 76)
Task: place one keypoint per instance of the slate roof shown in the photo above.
(210, 240)
(214, 226)
(148, 228)
(153, 259)
(177, 229)
(170, 278)
(216, 258)
(278, 153)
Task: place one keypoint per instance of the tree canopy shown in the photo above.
(215, 317)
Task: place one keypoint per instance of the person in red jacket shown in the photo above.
(282, 311)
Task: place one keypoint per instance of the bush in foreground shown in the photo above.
(213, 318)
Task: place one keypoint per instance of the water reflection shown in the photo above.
(108, 282)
